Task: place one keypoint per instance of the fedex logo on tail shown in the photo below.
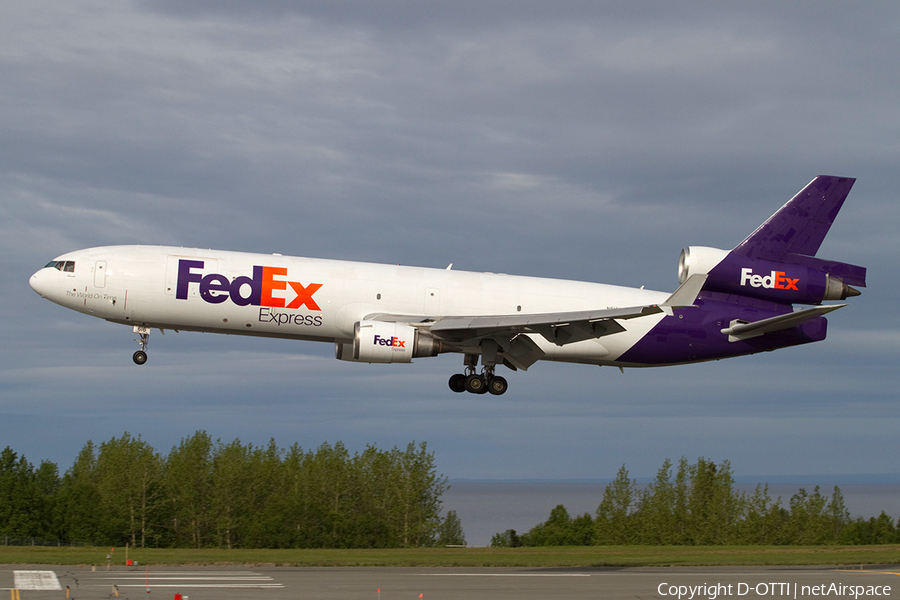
(257, 290)
(391, 341)
(774, 281)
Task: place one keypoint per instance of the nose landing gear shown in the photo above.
(140, 357)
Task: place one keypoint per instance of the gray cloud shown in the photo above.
(589, 141)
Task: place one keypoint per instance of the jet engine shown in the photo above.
(382, 342)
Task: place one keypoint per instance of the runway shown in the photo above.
(374, 583)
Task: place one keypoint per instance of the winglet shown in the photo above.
(685, 295)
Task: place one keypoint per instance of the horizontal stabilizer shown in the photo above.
(741, 330)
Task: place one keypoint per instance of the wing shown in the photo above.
(559, 328)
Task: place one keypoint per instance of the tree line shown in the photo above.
(699, 506)
(231, 495)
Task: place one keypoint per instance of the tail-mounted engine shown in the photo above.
(794, 279)
(382, 342)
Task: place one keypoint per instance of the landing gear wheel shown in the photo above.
(458, 383)
(476, 384)
(140, 357)
(497, 385)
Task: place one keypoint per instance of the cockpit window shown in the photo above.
(67, 266)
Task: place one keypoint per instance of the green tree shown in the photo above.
(613, 524)
(816, 519)
(555, 531)
(701, 506)
(560, 529)
(581, 531)
(680, 512)
(837, 514)
(374, 475)
(876, 530)
(507, 539)
(763, 521)
(299, 501)
(229, 495)
(331, 488)
(808, 523)
(187, 483)
(264, 526)
(417, 494)
(713, 505)
(451, 531)
(655, 514)
(47, 481)
(129, 480)
(81, 514)
(23, 506)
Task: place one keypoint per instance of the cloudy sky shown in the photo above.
(582, 140)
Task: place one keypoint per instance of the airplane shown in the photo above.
(729, 302)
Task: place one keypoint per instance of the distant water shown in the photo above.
(489, 507)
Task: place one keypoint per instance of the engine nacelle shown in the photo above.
(804, 280)
(381, 342)
(698, 260)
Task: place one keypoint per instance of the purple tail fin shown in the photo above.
(794, 233)
(800, 225)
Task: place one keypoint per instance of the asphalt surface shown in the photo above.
(38, 582)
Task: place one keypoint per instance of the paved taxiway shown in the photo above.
(371, 583)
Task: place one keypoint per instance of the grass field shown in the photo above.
(572, 556)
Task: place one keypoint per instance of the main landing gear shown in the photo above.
(140, 357)
(475, 383)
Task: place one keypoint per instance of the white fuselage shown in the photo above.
(317, 299)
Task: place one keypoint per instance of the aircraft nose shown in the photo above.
(42, 282)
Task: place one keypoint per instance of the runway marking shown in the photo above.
(210, 572)
(865, 571)
(196, 579)
(36, 580)
(508, 574)
(155, 578)
(240, 586)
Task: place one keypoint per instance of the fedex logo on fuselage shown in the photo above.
(391, 341)
(774, 281)
(257, 290)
